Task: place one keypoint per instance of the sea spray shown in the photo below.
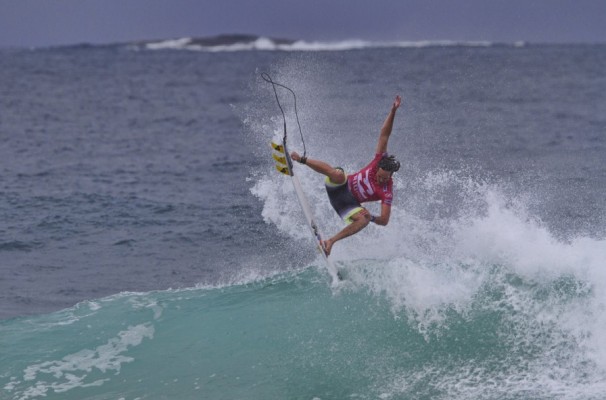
(481, 274)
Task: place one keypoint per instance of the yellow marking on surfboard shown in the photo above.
(282, 169)
(277, 147)
(280, 159)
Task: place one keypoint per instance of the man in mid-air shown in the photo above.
(372, 183)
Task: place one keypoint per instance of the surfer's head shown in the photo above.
(387, 166)
(389, 163)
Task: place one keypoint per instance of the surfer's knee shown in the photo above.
(337, 176)
(361, 218)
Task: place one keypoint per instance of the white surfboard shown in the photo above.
(285, 166)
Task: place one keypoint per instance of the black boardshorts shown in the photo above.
(342, 200)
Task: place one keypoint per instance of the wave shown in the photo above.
(485, 303)
(231, 43)
(491, 334)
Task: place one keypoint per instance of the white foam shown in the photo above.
(72, 370)
(175, 44)
(538, 378)
(278, 205)
(267, 44)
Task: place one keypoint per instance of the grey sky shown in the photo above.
(53, 22)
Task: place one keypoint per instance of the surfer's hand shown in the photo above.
(295, 156)
(396, 102)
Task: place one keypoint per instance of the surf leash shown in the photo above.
(268, 79)
(284, 166)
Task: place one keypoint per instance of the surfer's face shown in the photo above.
(383, 176)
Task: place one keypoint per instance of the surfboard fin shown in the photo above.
(280, 159)
(282, 169)
(277, 147)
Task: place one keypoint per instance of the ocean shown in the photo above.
(149, 249)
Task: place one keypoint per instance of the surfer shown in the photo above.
(372, 183)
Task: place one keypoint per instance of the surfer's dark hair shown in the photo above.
(389, 163)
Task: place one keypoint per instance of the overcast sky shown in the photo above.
(54, 22)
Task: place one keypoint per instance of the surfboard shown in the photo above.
(284, 165)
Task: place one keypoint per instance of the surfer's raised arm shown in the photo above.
(388, 126)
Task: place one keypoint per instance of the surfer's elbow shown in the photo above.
(380, 220)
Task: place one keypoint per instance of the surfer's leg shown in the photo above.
(359, 221)
(336, 175)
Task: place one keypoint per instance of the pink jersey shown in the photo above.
(364, 186)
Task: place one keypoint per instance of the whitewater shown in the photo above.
(126, 273)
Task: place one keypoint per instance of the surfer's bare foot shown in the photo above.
(327, 246)
(295, 156)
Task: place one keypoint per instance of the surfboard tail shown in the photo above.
(282, 159)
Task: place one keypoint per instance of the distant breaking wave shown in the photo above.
(225, 43)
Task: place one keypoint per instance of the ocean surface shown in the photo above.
(149, 249)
